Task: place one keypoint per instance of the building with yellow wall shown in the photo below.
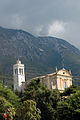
(60, 80)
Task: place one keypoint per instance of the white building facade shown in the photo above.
(58, 80)
(18, 75)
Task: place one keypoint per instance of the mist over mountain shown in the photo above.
(41, 55)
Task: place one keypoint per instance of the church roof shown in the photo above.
(59, 72)
(63, 71)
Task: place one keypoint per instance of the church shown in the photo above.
(60, 79)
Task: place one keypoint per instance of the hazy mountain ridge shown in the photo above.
(39, 54)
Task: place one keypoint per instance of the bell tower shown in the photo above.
(18, 75)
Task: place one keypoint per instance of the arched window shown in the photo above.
(16, 71)
(64, 84)
(20, 71)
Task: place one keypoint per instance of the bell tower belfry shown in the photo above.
(18, 75)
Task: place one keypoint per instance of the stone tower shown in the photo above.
(18, 75)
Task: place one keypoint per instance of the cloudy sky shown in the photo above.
(59, 18)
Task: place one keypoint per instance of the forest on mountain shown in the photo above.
(40, 55)
(37, 102)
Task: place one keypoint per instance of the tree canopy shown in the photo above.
(9, 95)
(46, 99)
(37, 102)
(28, 111)
(69, 108)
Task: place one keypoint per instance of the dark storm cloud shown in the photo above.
(60, 18)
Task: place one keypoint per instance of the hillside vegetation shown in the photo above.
(40, 55)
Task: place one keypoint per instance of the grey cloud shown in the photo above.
(36, 16)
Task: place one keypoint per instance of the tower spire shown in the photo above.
(18, 61)
(63, 65)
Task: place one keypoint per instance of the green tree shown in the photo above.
(47, 103)
(46, 99)
(9, 95)
(70, 108)
(70, 90)
(4, 107)
(32, 89)
(28, 111)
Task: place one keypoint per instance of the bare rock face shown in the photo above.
(40, 55)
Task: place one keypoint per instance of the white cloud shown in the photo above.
(57, 28)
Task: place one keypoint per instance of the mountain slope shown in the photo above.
(40, 55)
